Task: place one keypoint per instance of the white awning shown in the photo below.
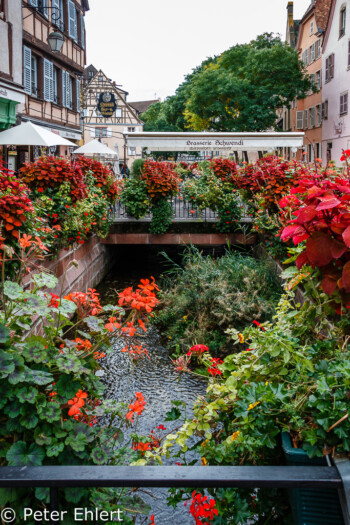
(29, 134)
(95, 148)
(209, 141)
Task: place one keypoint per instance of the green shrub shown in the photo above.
(136, 169)
(135, 198)
(162, 216)
(209, 295)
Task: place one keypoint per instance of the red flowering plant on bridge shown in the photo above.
(49, 389)
(321, 225)
(224, 169)
(161, 178)
(105, 178)
(72, 203)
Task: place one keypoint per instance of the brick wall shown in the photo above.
(93, 261)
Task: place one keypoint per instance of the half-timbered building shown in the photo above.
(108, 115)
(52, 80)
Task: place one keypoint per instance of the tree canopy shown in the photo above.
(239, 90)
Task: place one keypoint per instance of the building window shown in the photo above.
(118, 112)
(306, 118)
(57, 15)
(329, 67)
(132, 151)
(343, 103)
(312, 53)
(318, 150)
(55, 85)
(91, 74)
(34, 76)
(312, 117)
(318, 80)
(318, 115)
(318, 48)
(69, 92)
(342, 21)
(311, 157)
(325, 110)
(305, 57)
(100, 78)
(300, 120)
(311, 28)
(131, 129)
(43, 8)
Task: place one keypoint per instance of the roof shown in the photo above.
(143, 105)
(322, 9)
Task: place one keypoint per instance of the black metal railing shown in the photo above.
(57, 477)
(182, 211)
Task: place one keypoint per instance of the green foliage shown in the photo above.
(136, 169)
(209, 295)
(135, 197)
(238, 90)
(50, 407)
(162, 214)
(291, 378)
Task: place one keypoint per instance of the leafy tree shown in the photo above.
(239, 90)
(242, 89)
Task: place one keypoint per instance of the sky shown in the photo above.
(148, 46)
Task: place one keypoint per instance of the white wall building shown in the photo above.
(336, 83)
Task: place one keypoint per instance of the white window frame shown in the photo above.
(343, 103)
(300, 120)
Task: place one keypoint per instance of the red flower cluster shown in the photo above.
(198, 350)
(213, 369)
(161, 178)
(51, 172)
(14, 203)
(77, 403)
(104, 176)
(322, 219)
(224, 169)
(142, 299)
(87, 303)
(202, 510)
(346, 155)
(137, 407)
(272, 177)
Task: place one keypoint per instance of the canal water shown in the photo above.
(156, 377)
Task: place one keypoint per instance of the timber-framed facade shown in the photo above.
(109, 126)
(52, 81)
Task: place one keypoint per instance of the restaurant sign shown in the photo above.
(106, 104)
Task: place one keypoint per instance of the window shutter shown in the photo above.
(27, 70)
(305, 119)
(331, 66)
(34, 3)
(312, 117)
(71, 19)
(92, 133)
(69, 93)
(48, 80)
(82, 31)
(312, 53)
(109, 132)
(327, 70)
(300, 120)
(57, 14)
(318, 48)
(64, 89)
(78, 95)
(307, 57)
(45, 9)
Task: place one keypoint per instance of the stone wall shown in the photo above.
(92, 262)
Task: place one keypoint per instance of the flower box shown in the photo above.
(311, 506)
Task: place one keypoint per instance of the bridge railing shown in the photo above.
(56, 477)
(182, 211)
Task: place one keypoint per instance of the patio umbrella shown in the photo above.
(29, 134)
(95, 148)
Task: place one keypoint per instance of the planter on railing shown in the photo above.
(311, 506)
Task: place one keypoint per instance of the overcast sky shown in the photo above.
(148, 46)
